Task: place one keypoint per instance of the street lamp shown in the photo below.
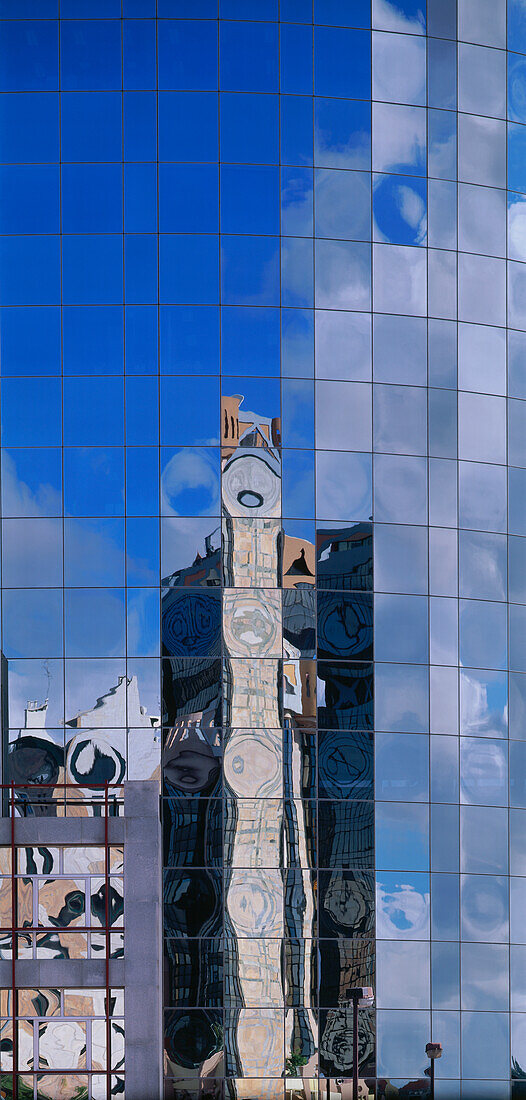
(433, 1051)
(362, 997)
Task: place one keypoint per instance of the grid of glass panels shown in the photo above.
(263, 313)
(61, 1043)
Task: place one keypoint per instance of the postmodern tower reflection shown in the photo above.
(262, 335)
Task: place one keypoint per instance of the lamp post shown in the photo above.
(433, 1051)
(362, 997)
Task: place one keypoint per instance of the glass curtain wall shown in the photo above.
(257, 263)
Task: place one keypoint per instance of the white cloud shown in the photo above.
(194, 470)
(399, 68)
(517, 230)
(399, 136)
(402, 913)
(390, 16)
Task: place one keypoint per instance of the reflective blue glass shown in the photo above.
(249, 128)
(249, 57)
(29, 199)
(28, 9)
(250, 270)
(297, 343)
(94, 621)
(445, 907)
(93, 411)
(342, 134)
(188, 126)
(342, 65)
(92, 198)
(92, 269)
(262, 394)
(296, 130)
(402, 906)
(517, 638)
(298, 413)
(140, 198)
(343, 204)
(489, 648)
(516, 157)
(186, 395)
(401, 628)
(190, 481)
(90, 55)
(29, 127)
(442, 146)
(41, 423)
(516, 26)
(142, 481)
(445, 821)
(189, 340)
(297, 272)
(249, 199)
(30, 340)
(142, 411)
(32, 482)
(484, 1044)
(90, 126)
(139, 111)
(189, 269)
(296, 59)
(516, 88)
(99, 9)
(29, 271)
(92, 339)
(141, 332)
(349, 493)
(400, 209)
(188, 198)
(402, 698)
(196, 9)
(139, 54)
(402, 767)
(142, 551)
(442, 18)
(32, 623)
(187, 55)
(400, 15)
(249, 9)
(402, 836)
(94, 481)
(94, 552)
(140, 268)
(338, 13)
(517, 500)
(297, 201)
(250, 340)
(297, 11)
(298, 484)
(29, 55)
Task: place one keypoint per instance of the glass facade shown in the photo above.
(263, 346)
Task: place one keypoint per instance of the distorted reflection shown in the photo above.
(400, 210)
(403, 906)
(255, 712)
(46, 758)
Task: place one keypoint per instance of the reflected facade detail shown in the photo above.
(262, 346)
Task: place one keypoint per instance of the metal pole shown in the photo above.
(14, 944)
(108, 939)
(355, 1048)
(432, 1077)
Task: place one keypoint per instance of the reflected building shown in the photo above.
(246, 869)
(262, 345)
